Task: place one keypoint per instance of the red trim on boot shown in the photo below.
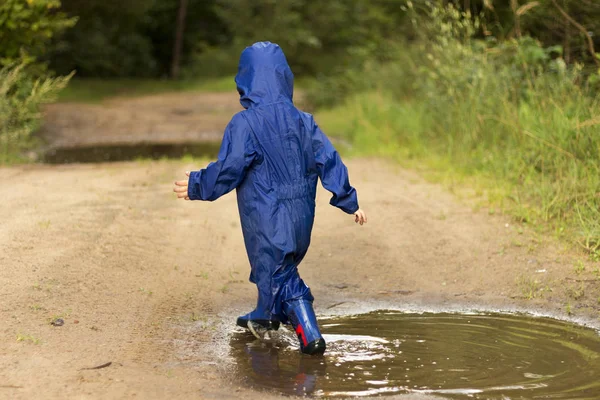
(300, 333)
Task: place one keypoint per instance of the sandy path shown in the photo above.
(166, 118)
(170, 118)
(142, 279)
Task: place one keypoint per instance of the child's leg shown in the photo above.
(272, 284)
(262, 313)
(302, 316)
(284, 297)
(297, 306)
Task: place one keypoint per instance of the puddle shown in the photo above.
(95, 154)
(453, 356)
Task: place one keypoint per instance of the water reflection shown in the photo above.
(482, 356)
(128, 152)
(295, 374)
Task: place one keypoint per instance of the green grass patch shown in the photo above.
(97, 90)
(549, 179)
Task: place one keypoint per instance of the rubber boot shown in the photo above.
(253, 316)
(304, 321)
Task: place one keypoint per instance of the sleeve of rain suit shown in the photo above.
(236, 155)
(333, 172)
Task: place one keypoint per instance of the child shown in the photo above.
(273, 154)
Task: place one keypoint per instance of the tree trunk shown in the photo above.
(177, 46)
(567, 42)
(582, 29)
(514, 5)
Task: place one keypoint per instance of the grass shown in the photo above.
(528, 179)
(45, 224)
(28, 338)
(569, 309)
(542, 170)
(87, 90)
(203, 275)
(530, 288)
(579, 267)
(576, 293)
(196, 317)
(508, 119)
(98, 90)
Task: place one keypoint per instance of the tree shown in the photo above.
(27, 27)
(315, 35)
(554, 22)
(107, 41)
(179, 29)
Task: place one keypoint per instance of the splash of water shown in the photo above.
(474, 356)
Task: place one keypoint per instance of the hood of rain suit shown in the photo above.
(264, 76)
(273, 154)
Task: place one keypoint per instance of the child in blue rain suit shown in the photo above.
(273, 154)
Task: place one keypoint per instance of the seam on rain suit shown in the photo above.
(273, 154)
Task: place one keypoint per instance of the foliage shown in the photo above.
(132, 38)
(203, 29)
(26, 28)
(135, 38)
(20, 100)
(509, 115)
(544, 21)
(316, 36)
(541, 19)
(107, 41)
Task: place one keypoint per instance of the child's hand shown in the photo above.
(181, 188)
(360, 217)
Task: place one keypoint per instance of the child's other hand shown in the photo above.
(360, 217)
(181, 188)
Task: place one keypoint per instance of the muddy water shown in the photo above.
(456, 356)
(96, 154)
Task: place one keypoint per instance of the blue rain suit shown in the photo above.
(273, 154)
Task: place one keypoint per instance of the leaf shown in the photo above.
(488, 4)
(556, 49)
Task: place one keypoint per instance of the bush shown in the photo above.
(20, 100)
(509, 112)
(26, 28)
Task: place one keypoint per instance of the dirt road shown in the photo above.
(153, 285)
(142, 280)
(159, 119)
